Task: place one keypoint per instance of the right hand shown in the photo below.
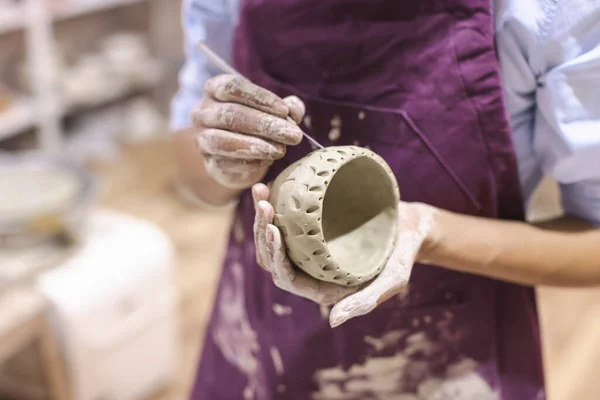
(416, 223)
(271, 256)
(242, 128)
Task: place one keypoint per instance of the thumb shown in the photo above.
(297, 108)
(352, 306)
(391, 281)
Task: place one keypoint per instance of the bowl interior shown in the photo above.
(359, 216)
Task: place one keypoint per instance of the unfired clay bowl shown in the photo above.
(337, 209)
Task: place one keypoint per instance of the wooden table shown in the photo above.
(23, 320)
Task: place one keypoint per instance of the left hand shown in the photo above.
(415, 222)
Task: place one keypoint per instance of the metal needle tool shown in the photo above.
(226, 68)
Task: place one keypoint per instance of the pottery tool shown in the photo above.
(226, 68)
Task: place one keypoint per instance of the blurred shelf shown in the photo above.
(110, 99)
(12, 19)
(77, 8)
(17, 119)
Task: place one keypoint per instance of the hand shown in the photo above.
(415, 221)
(271, 255)
(242, 129)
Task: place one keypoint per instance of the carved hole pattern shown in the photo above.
(312, 209)
(296, 203)
(293, 228)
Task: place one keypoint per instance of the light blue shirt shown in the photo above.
(549, 53)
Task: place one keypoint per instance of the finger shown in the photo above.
(232, 179)
(232, 88)
(281, 268)
(255, 229)
(352, 306)
(242, 119)
(292, 280)
(264, 215)
(259, 192)
(234, 145)
(268, 211)
(236, 165)
(297, 108)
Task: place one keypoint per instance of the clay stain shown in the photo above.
(277, 361)
(281, 310)
(307, 121)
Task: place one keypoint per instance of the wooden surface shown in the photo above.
(141, 185)
(23, 320)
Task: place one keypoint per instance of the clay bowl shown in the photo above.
(337, 209)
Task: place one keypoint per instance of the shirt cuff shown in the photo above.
(181, 107)
(189, 197)
(582, 199)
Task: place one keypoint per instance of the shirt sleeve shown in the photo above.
(567, 128)
(552, 89)
(211, 21)
(514, 46)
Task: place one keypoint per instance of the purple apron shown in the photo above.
(417, 82)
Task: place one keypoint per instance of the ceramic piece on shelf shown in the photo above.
(143, 121)
(89, 82)
(129, 57)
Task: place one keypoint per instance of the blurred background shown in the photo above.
(106, 275)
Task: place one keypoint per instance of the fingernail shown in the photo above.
(263, 204)
(281, 108)
(294, 134)
(293, 128)
(338, 317)
(335, 322)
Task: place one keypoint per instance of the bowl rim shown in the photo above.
(294, 246)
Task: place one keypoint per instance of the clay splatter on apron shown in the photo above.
(235, 337)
